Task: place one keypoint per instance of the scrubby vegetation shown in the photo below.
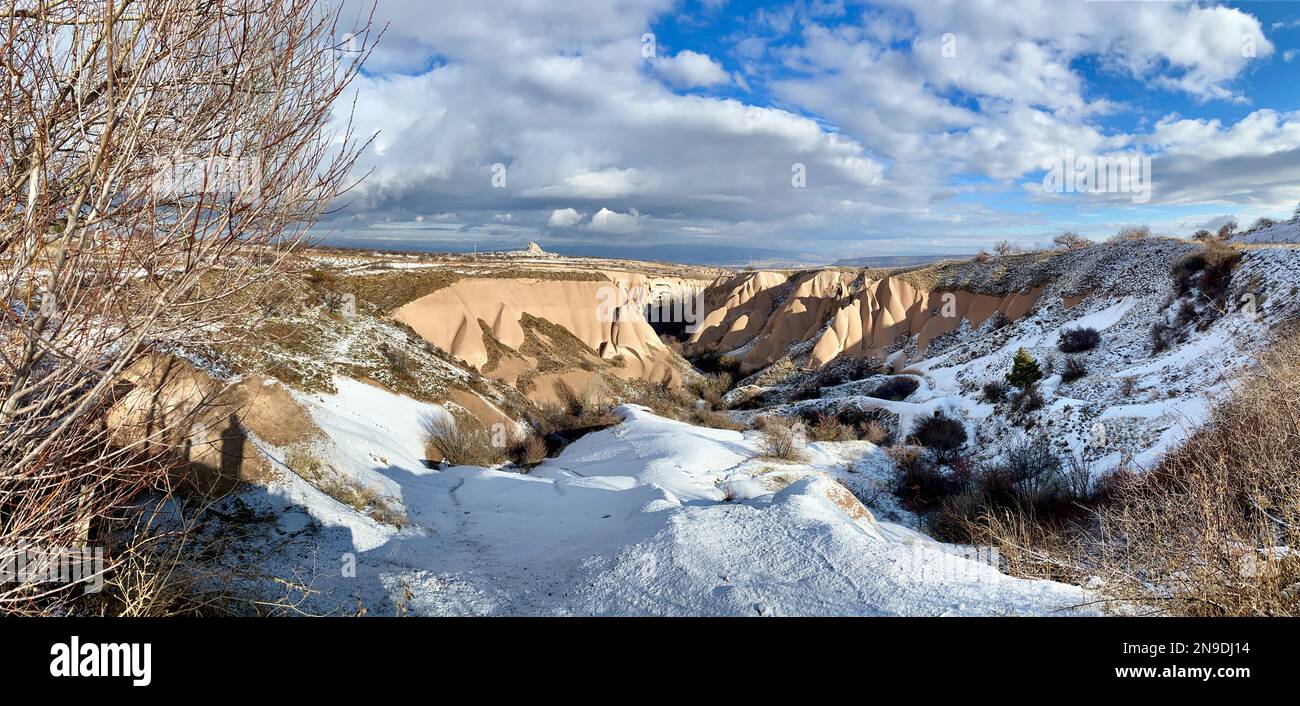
(463, 442)
(1209, 271)
(782, 439)
(711, 361)
(1073, 369)
(1208, 532)
(941, 434)
(358, 496)
(994, 391)
(896, 388)
(827, 428)
(1077, 340)
(1030, 399)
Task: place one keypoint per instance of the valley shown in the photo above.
(799, 450)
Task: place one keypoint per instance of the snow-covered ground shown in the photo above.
(1134, 404)
(658, 517)
(1284, 232)
(649, 517)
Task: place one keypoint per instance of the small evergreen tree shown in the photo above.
(1024, 370)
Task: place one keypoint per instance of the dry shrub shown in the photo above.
(994, 391)
(1211, 531)
(781, 439)
(1074, 369)
(463, 442)
(918, 481)
(1028, 400)
(1159, 337)
(557, 428)
(710, 361)
(1132, 233)
(711, 388)
(1203, 533)
(875, 432)
(896, 388)
(828, 428)
(1075, 340)
(866, 423)
(570, 401)
(941, 434)
(705, 417)
(161, 159)
(348, 491)
(528, 451)
(1209, 269)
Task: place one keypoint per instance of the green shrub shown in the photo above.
(1024, 370)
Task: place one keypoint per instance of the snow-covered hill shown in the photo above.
(1134, 400)
(649, 517)
(1283, 232)
(654, 516)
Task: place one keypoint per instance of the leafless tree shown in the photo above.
(161, 160)
(1070, 240)
(1004, 248)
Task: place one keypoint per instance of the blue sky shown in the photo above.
(918, 127)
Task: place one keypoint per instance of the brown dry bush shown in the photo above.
(875, 432)
(1211, 531)
(463, 442)
(528, 451)
(711, 388)
(1203, 534)
(573, 404)
(782, 439)
(943, 435)
(828, 428)
(705, 417)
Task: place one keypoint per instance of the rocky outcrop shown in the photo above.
(889, 309)
(201, 426)
(736, 308)
(760, 316)
(503, 326)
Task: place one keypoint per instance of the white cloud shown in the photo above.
(607, 221)
(884, 123)
(688, 69)
(564, 218)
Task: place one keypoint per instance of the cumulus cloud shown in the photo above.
(688, 69)
(564, 218)
(607, 221)
(896, 137)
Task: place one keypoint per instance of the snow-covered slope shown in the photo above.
(1284, 232)
(649, 517)
(1134, 402)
